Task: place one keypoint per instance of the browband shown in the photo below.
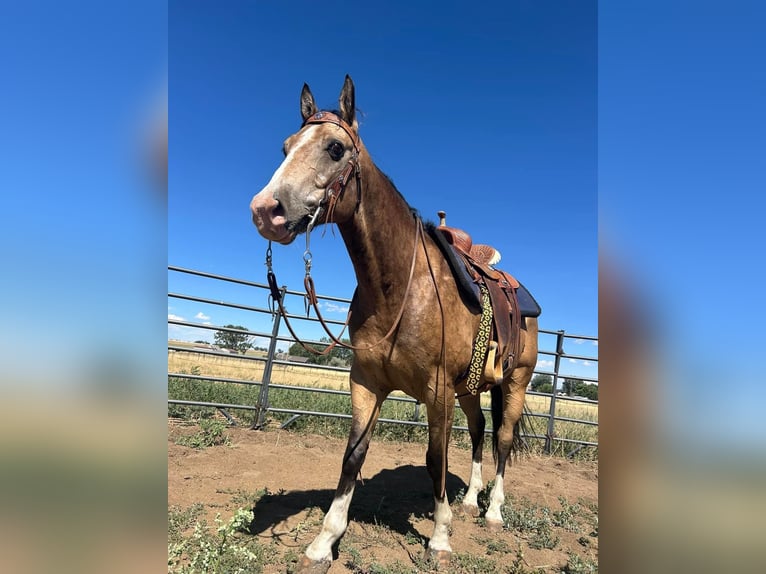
(331, 118)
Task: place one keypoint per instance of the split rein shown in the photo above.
(312, 301)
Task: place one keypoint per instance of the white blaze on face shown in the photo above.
(292, 192)
(283, 171)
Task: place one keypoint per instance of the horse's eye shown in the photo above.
(335, 149)
(284, 150)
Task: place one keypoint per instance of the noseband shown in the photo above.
(334, 191)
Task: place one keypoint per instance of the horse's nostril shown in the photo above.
(278, 210)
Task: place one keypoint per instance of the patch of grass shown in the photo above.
(290, 560)
(208, 551)
(211, 433)
(531, 521)
(519, 565)
(356, 563)
(180, 520)
(503, 550)
(494, 545)
(414, 539)
(472, 563)
(210, 392)
(393, 568)
(579, 565)
(243, 498)
(568, 517)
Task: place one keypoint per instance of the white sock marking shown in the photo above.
(474, 485)
(333, 527)
(442, 521)
(496, 500)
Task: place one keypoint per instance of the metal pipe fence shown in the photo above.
(272, 356)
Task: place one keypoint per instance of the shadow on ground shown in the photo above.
(387, 499)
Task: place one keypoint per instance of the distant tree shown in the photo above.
(571, 386)
(338, 356)
(297, 350)
(545, 388)
(540, 380)
(587, 390)
(239, 342)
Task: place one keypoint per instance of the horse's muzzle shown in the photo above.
(269, 218)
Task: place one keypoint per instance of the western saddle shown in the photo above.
(497, 345)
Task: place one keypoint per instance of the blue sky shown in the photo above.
(488, 113)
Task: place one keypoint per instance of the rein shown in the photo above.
(312, 299)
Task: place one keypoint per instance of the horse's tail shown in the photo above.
(520, 429)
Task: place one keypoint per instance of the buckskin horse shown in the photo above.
(410, 326)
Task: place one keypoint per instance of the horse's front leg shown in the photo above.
(365, 405)
(439, 429)
(471, 405)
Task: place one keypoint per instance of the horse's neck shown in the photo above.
(379, 238)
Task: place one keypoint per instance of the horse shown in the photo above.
(409, 327)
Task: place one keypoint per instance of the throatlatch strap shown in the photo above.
(476, 368)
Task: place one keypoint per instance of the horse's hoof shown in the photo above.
(495, 525)
(307, 566)
(470, 510)
(439, 558)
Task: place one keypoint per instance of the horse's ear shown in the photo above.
(308, 106)
(346, 101)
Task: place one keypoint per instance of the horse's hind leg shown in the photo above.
(510, 397)
(365, 405)
(471, 405)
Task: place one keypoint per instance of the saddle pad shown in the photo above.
(469, 291)
(527, 304)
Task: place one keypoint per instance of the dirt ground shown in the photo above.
(390, 515)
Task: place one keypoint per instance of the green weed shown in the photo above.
(579, 565)
(212, 433)
(531, 521)
(180, 520)
(223, 550)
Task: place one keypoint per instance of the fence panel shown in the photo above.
(257, 369)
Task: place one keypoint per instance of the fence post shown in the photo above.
(549, 434)
(263, 396)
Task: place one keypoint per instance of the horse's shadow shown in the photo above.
(388, 499)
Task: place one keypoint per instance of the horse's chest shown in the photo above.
(408, 368)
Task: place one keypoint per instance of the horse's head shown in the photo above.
(320, 160)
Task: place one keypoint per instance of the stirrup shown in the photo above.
(493, 372)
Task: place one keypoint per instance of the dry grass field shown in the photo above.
(250, 368)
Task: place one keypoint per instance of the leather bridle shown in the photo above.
(333, 192)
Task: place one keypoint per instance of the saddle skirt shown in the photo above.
(477, 279)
